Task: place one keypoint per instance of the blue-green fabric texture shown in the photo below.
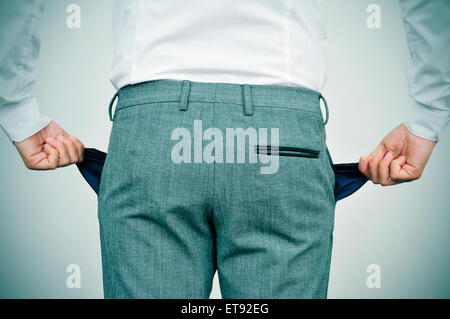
(167, 227)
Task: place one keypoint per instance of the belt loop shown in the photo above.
(247, 97)
(111, 118)
(326, 109)
(184, 95)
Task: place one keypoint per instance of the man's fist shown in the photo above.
(400, 157)
(50, 148)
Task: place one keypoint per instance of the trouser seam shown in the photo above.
(214, 163)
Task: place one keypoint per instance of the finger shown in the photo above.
(71, 149)
(375, 159)
(79, 146)
(363, 165)
(383, 169)
(49, 159)
(52, 156)
(34, 161)
(64, 158)
(397, 174)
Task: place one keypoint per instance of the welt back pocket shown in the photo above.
(287, 151)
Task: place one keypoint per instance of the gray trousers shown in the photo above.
(182, 195)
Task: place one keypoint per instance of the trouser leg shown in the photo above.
(156, 229)
(274, 231)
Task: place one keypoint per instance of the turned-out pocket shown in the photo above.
(287, 151)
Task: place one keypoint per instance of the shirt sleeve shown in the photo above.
(20, 116)
(428, 66)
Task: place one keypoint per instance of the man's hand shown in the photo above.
(400, 157)
(50, 148)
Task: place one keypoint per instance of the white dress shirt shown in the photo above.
(280, 42)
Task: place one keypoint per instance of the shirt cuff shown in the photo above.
(427, 122)
(23, 120)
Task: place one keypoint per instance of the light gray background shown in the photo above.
(48, 220)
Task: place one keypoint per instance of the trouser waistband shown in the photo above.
(250, 96)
